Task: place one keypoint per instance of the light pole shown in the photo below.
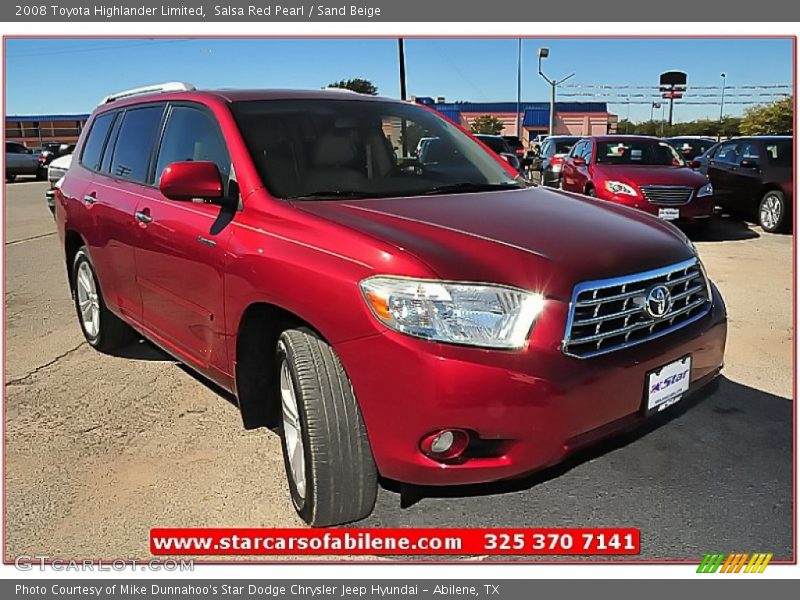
(544, 53)
(722, 104)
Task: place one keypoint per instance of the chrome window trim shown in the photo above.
(626, 279)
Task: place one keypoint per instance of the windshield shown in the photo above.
(638, 152)
(317, 149)
(497, 144)
(563, 146)
(691, 149)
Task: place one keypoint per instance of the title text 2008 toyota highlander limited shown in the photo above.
(434, 323)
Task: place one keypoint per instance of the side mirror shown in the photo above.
(694, 164)
(578, 161)
(748, 163)
(189, 179)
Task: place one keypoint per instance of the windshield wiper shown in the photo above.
(468, 186)
(334, 194)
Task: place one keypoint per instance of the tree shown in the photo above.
(728, 127)
(769, 119)
(362, 86)
(487, 124)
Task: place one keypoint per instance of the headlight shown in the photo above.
(617, 187)
(706, 190)
(491, 316)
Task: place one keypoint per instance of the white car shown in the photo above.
(55, 172)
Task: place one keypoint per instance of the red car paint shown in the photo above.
(534, 405)
(590, 177)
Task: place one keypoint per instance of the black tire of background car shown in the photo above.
(10, 177)
(590, 192)
(114, 332)
(341, 477)
(783, 222)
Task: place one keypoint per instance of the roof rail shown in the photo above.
(156, 88)
(333, 88)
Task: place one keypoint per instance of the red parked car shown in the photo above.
(640, 172)
(435, 323)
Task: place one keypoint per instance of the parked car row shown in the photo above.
(344, 282)
(21, 160)
(684, 179)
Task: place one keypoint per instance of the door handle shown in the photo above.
(89, 199)
(205, 241)
(143, 217)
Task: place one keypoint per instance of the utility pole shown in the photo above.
(519, 88)
(544, 53)
(722, 105)
(401, 55)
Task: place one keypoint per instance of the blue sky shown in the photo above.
(70, 76)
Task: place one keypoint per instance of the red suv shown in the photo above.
(436, 323)
(641, 172)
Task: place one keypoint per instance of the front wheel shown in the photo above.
(329, 465)
(772, 213)
(590, 192)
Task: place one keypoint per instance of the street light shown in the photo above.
(544, 53)
(722, 103)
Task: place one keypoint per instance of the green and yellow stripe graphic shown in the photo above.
(735, 563)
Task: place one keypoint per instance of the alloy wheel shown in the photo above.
(771, 212)
(88, 300)
(292, 431)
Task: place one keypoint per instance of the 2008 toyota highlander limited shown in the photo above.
(422, 316)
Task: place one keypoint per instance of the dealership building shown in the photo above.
(34, 130)
(571, 118)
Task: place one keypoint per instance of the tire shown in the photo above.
(102, 329)
(773, 214)
(590, 192)
(41, 174)
(333, 479)
(11, 177)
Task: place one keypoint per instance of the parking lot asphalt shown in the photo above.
(101, 448)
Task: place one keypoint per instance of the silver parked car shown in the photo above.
(55, 171)
(22, 161)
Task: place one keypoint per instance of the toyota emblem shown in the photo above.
(658, 301)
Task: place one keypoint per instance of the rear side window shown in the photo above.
(193, 134)
(135, 141)
(14, 148)
(727, 152)
(93, 148)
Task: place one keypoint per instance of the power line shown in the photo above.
(97, 48)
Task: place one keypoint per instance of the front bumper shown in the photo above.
(696, 209)
(529, 409)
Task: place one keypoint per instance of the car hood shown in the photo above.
(533, 238)
(62, 162)
(652, 175)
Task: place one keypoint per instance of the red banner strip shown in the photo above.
(238, 542)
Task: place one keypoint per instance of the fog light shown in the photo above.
(445, 444)
(442, 442)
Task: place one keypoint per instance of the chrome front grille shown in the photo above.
(610, 314)
(667, 195)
